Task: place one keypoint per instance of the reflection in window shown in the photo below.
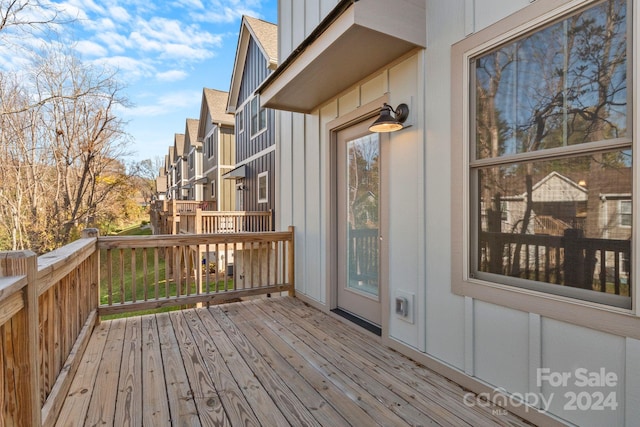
(363, 197)
(560, 217)
(258, 116)
(624, 209)
(563, 85)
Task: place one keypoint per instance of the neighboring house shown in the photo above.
(216, 132)
(389, 227)
(255, 171)
(161, 183)
(171, 175)
(192, 152)
(180, 171)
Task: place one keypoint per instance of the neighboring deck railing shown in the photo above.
(190, 217)
(209, 222)
(49, 305)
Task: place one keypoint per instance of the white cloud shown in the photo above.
(129, 68)
(116, 42)
(89, 48)
(167, 103)
(191, 4)
(172, 75)
(119, 14)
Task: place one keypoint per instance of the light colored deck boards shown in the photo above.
(270, 361)
(292, 408)
(382, 404)
(156, 407)
(79, 396)
(288, 364)
(181, 405)
(255, 393)
(129, 398)
(204, 392)
(105, 389)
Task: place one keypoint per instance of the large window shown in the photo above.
(258, 117)
(550, 151)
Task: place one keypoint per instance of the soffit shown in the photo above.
(365, 37)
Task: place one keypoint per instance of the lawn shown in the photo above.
(121, 262)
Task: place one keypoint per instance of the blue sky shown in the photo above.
(166, 52)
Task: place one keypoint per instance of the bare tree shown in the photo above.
(61, 146)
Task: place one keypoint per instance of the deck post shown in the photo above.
(291, 262)
(94, 286)
(26, 333)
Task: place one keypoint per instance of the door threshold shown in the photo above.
(359, 321)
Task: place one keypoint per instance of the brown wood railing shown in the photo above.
(571, 260)
(50, 305)
(141, 273)
(42, 339)
(210, 222)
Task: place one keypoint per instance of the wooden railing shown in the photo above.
(50, 305)
(140, 273)
(210, 222)
(49, 308)
(571, 260)
(180, 206)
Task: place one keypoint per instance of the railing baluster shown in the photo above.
(109, 277)
(134, 290)
(122, 296)
(156, 270)
(144, 274)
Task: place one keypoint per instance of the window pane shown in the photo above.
(557, 221)
(563, 85)
(263, 118)
(254, 115)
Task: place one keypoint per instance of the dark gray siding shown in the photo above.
(266, 163)
(255, 71)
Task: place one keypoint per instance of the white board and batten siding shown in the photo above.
(498, 346)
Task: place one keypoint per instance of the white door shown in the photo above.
(358, 160)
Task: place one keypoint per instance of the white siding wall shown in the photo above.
(499, 346)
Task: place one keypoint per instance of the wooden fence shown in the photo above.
(49, 305)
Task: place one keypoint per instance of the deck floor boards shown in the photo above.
(270, 362)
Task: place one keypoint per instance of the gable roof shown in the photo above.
(178, 145)
(265, 35)
(191, 135)
(214, 104)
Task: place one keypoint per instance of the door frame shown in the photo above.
(368, 111)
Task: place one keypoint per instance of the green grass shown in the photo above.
(127, 276)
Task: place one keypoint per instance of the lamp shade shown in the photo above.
(388, 123)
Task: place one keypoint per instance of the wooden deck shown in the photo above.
(269, 361)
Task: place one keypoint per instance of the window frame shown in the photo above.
(213, 189)
(265, 176)
(621, 214)
(260, 117)
(240, 120)
(595, 315)
(211, 142)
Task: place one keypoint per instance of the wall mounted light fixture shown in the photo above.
(388, 123)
